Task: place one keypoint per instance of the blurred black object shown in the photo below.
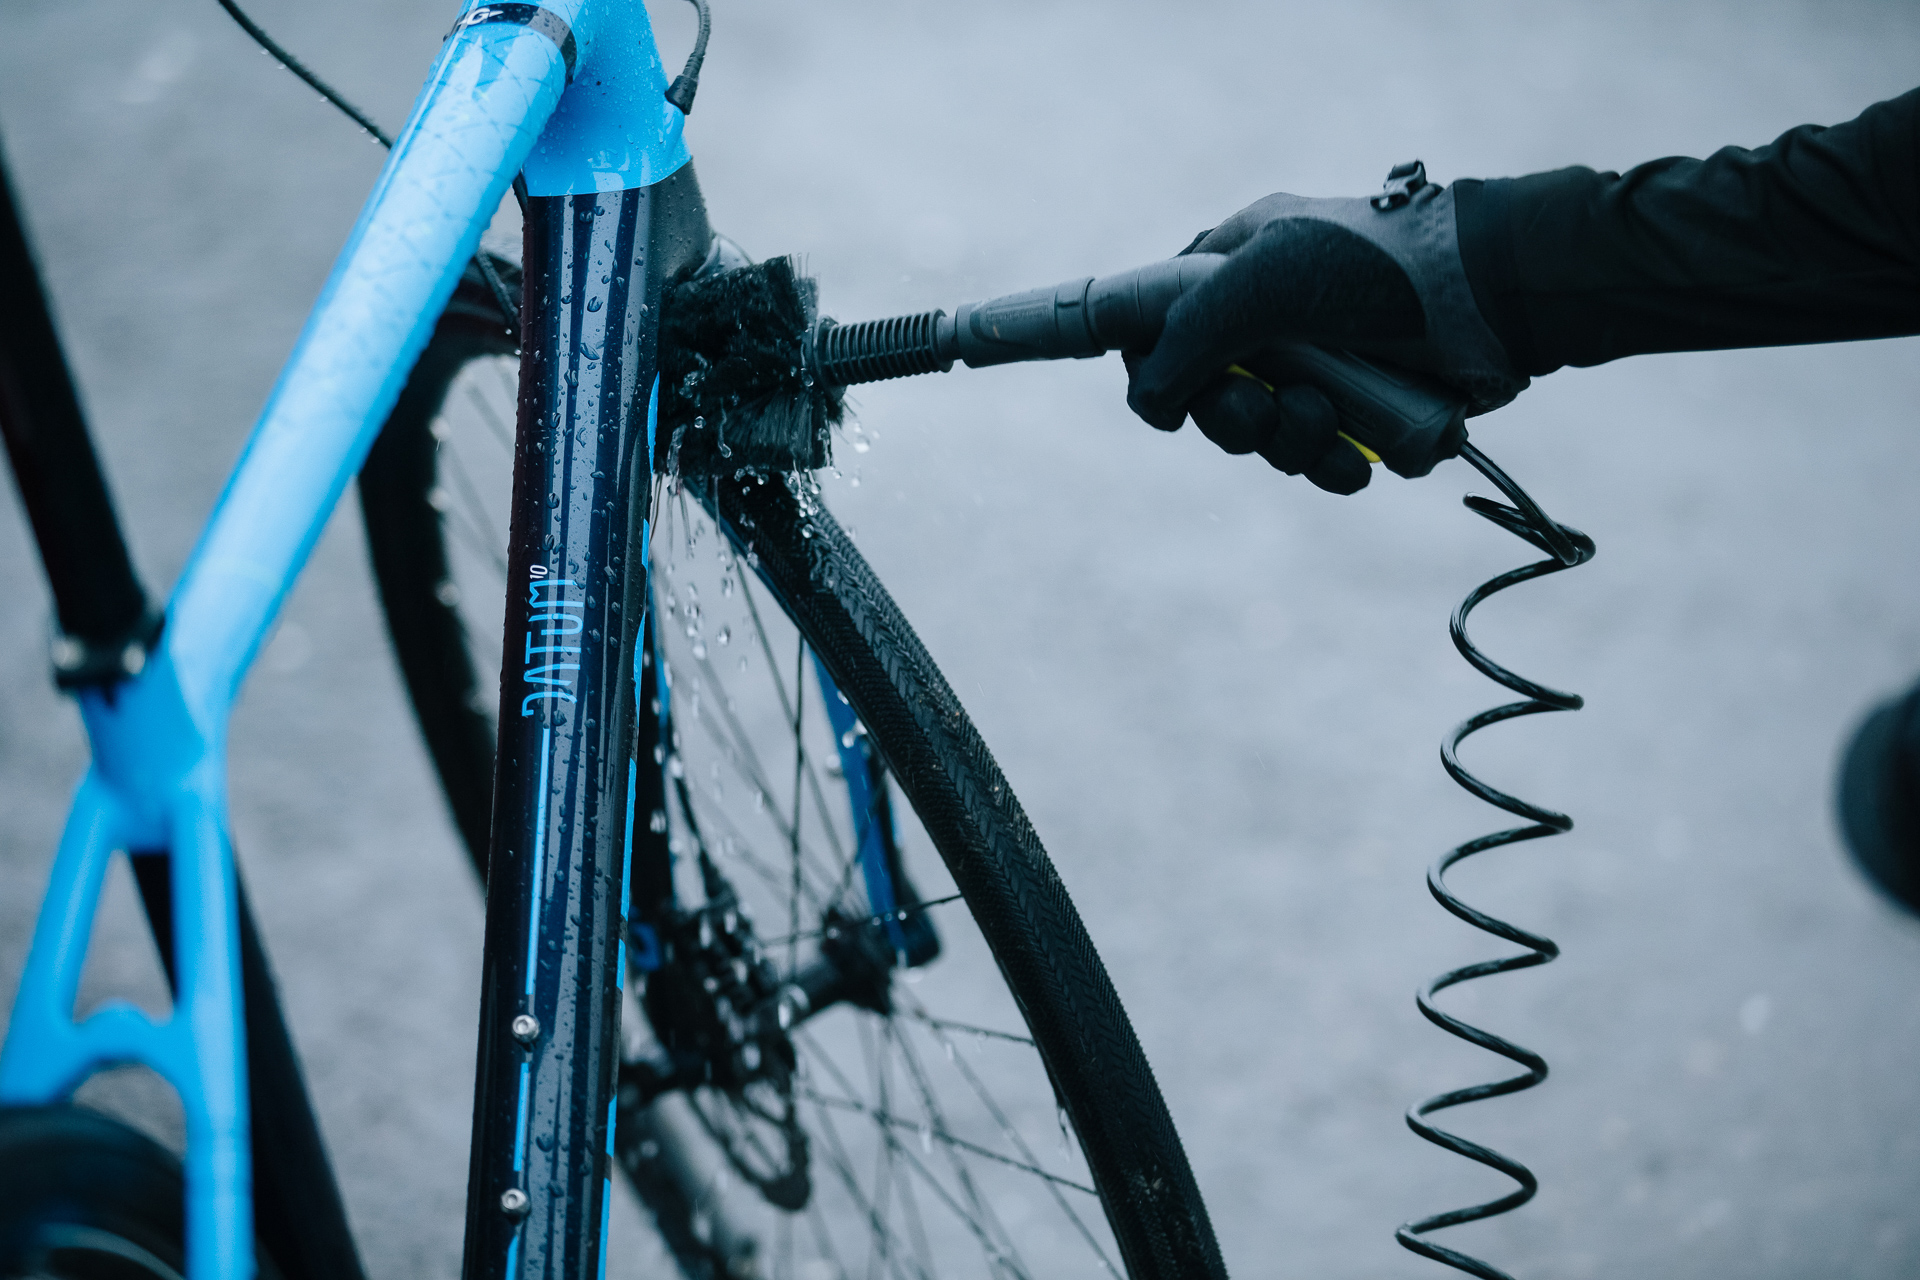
(1879, 798)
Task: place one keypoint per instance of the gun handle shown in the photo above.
(1410, 421)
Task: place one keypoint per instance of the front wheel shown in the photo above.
(84, 1197)
(855, 1045)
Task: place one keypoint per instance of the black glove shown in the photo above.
(1380, 277)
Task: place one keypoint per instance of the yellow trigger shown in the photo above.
(1365, 452)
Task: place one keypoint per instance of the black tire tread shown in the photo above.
(990, 847)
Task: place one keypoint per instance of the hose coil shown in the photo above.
(1565, 548)
(875, 350)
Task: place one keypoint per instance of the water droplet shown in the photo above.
(675, 768)
(860, 446)
(699, 422)
(658, 823)
(699, 648)
(726, 634)
(847, 739)
(544, 1142)
(593, 304)
(553, 500)
(926, 1138)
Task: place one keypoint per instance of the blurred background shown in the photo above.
(1218, 692)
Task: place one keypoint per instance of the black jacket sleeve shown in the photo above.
(1814, 238)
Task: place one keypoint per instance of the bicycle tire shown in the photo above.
(994, 854)
(84, 1197)
(1097, 1068)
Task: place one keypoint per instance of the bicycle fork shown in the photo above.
(560, 860)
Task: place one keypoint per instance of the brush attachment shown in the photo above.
(735, 391)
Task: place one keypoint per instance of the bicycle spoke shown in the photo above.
(489, 415)
(936, 1118)
(842, 1168)
(799, 763)
(494, 541)
(896, 1122)
(987, 1244)
(903, 914)
(947, 1024)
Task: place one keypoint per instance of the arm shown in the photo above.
(1813, 238)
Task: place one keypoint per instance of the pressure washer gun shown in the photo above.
(1404, 420)
(742, 350)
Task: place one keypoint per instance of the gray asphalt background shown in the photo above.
(1218, 691)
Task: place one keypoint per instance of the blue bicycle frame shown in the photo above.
(569, 94)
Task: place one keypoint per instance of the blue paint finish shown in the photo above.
(614, 128)
(646, 957)
(626, 855)
(158, 782)
(626, 858)
(606, 1199)
(606, 1213)
(159, 746)
(485, 102)
(535, 896)
(653, 441)
(520, 1141)
(513, 1257)
(860, 795)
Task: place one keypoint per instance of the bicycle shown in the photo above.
(736, 1056)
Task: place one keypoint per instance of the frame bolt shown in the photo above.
(514, 1202)
(68, 653)
(526, 1028)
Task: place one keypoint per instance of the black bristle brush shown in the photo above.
(751, 376)
(735, 391)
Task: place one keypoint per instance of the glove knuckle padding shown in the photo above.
(1312, 280)
(1420, 238)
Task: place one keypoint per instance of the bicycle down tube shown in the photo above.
(573, 92)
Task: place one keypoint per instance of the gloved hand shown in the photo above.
(1381, 277)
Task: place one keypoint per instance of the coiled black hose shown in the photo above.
(1565, 548)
